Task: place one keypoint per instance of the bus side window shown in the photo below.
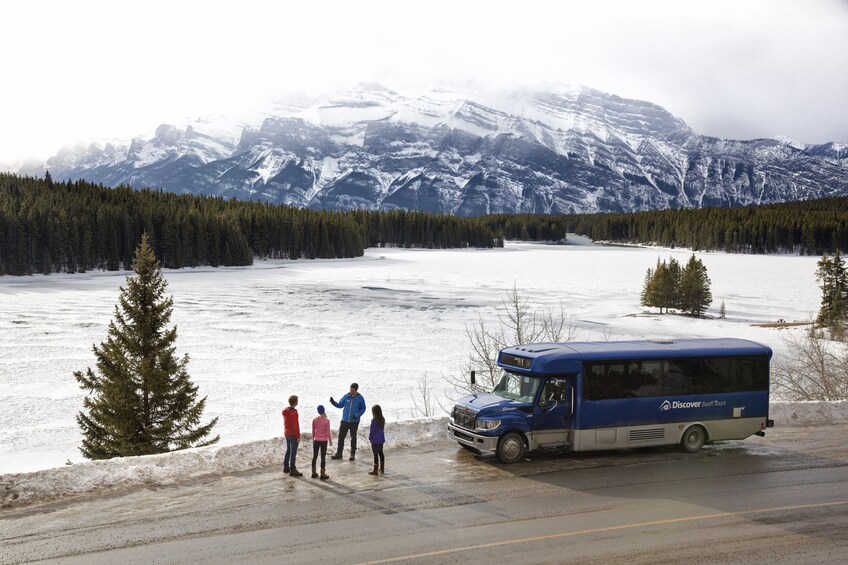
(650, 379)
(717, 375)
(554, 391)
(618, 382)
(559, 391)
(751, 374)
(547, 393)
(594, 382)
(682, 377)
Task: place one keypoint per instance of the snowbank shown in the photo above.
(19, 489)
(26, 488)
(812, 413)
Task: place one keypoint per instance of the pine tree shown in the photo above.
(141, 399)
(645, 297)
(660, 288)
(695, 293)
(674, 284)
(722, 311)
(834, 284)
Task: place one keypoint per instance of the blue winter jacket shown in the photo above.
(376, 434)
(354, 407)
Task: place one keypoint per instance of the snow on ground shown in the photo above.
(261, 333)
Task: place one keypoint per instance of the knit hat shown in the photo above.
(320, 408)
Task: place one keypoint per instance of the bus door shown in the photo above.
(552, 414)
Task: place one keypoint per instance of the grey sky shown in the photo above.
(100, 69)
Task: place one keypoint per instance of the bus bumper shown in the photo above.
(472, 440)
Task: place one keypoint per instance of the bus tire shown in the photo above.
(693, 439)
(511, 448)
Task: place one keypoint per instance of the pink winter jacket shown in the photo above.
(321, 430)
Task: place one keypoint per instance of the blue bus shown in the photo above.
(613, 395)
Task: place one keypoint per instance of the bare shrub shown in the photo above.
(816, 368)
(426, 400)
(519, 324)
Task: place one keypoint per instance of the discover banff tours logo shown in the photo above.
(675, 404)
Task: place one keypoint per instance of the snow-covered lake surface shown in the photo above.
(259, 334)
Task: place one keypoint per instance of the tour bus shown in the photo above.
(613, 395)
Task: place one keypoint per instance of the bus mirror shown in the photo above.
(473, 379)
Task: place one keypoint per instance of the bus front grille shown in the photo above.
(464, 417)
(647, 435)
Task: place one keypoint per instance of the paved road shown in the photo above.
(781, 498)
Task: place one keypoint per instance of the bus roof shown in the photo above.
(647, 349)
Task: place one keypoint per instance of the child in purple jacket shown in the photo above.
(377, 437)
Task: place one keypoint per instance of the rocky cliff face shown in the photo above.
(566, 150)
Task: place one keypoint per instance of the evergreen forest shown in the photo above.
(75, 226)
(807, 227)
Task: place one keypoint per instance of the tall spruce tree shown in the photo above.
(675, 284)
(141, 399)
(645, 298)
(833, 279)
(661, 286)
(695, 293)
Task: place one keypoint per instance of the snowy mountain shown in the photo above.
(557, 150)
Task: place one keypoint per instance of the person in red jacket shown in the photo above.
(291, 429)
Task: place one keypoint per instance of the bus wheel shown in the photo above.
(693, 439)
(511, 448)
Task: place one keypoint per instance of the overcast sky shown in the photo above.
(85, 70)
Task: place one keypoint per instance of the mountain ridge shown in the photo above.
(561, 150)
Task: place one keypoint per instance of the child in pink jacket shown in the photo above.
(321, 435)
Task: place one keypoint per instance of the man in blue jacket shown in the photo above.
(353, 406)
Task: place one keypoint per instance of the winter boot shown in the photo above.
(314, 474)
(324, 475)
(286, 469)
(352, 455)
(295, 473)
(374, 472)
(382, 467)
(338, 455)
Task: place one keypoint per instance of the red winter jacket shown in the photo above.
(291, 426)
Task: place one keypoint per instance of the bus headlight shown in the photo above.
(484, 425)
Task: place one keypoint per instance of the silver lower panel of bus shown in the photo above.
(663, 434)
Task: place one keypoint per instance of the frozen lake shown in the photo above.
(258, 334)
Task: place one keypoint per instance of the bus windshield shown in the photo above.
(517, 387)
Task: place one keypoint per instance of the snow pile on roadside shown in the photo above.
(20, 489)
(812, 413)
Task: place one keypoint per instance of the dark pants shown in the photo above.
(291, 452)
(322, 447)
(377, 448)
(344, 427)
